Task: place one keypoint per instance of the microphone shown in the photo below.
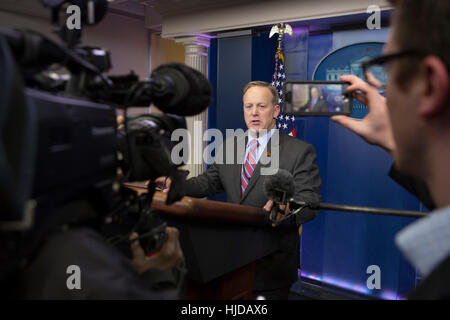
(180, 90)
(279, 188)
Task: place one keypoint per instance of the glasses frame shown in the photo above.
(384, 59)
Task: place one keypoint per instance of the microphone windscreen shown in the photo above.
(280, 181)
(171, 89)
(192, 92)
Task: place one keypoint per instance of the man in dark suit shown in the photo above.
(315, 103)
(413, 124)
(242, 178)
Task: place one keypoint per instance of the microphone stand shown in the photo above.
(299, 205)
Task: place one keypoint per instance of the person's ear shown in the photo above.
(436, 89)
(277, 111)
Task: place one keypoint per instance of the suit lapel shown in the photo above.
(253, 179)
(237, 168)
(237, 179)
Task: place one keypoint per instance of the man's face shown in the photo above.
(259, 111)
(406, 124)
(314, 93)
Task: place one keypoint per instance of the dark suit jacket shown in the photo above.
(298, 157)
(105, 271)
(320, 106)
(436, 286)
(415, 186)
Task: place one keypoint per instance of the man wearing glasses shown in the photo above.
(413, 124)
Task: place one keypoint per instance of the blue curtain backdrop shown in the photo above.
(336, 247)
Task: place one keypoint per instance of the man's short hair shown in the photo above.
(314, 87)
(263, 84)
(421, 25)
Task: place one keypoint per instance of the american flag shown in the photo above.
(283, 122)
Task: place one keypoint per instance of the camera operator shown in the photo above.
(104, 272)
(69, 236)
(413, 125)
(69, 228)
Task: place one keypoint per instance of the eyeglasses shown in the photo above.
(375, 70)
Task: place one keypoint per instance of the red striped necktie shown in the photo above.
(249, 165)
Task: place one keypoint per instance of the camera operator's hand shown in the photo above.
(280, 215)
(169, 256)
(120, 121)
(163, 183)
(375, 128)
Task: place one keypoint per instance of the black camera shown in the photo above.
(60, 142)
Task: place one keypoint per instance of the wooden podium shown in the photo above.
(221, 243)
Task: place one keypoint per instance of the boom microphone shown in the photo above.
(279, 188)
(180, 90)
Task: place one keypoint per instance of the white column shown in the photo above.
(196, 56)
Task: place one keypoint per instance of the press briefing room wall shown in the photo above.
(337, 248)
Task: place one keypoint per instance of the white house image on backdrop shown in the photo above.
(354, 67)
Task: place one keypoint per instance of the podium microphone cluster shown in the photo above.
(279, 188)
